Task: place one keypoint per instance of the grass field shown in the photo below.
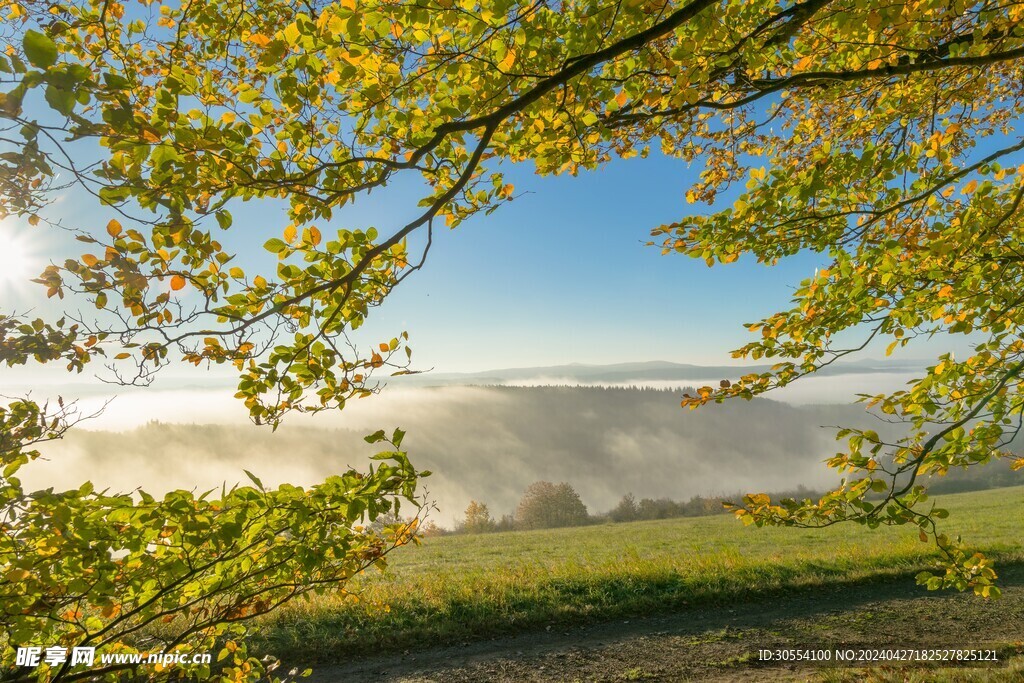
(460, 588)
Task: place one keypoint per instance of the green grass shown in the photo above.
(458, 588)
(1013, 672)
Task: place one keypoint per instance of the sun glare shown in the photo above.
(15, 262)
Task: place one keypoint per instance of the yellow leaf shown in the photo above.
(259, 281)
(228, 117)
(89, 260)
(970, 187)
(113, 228)
(292, 34)
(17, 575)
(177, 282)
(314, 235)
(289, 233)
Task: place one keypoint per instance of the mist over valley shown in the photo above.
(481, 443)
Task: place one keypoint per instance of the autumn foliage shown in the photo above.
(883, 136)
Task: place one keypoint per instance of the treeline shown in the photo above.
(545, 505)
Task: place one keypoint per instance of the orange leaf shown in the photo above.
(259, 39)
(177, 282)
(113, 228)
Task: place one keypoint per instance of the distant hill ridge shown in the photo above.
(640, 371)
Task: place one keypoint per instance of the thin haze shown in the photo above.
(483, 443)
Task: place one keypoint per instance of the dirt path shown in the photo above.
(721, 645)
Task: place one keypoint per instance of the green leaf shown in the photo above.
(11, 101)
(40, 50)
(254, 479)
(60, 99)
(275, 246)
(164, 154)
(115, 81)
(379, 435)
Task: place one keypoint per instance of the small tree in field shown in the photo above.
(478, 519)
(506, 523)
(545, 505)
(626, 510)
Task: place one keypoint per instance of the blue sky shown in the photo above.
(562, 274)
(559, 275)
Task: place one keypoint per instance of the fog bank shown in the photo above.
(482, 443)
